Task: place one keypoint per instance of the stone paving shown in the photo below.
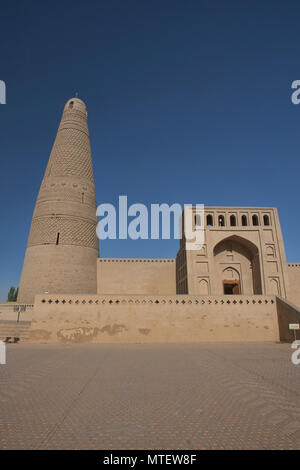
(185, 396)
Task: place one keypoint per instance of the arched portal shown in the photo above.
(236, 267)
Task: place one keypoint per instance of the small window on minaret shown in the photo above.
(57, 239)
(71, 104)
(82, 198)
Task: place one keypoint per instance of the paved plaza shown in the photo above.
(185, 396)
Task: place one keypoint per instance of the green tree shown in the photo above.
(12, 294)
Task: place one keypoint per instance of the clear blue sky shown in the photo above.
(189, 102)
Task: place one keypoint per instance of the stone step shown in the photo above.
(19, 330)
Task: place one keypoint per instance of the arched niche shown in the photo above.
(230, 273)
(274, 286)
(203, 287)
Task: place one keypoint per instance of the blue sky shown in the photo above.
(188, 101)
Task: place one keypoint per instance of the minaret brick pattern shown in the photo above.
(63, 247)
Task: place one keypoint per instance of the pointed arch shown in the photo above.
(242, 255)
(230, 273)
(243, 241)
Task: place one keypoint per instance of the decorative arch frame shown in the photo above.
(254, 255)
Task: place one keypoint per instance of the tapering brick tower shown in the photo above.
(62, 248)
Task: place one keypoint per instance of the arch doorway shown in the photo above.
(237, 267)
(231, 281)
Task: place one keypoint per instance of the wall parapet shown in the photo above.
(136, 260)
(115, 299)
(140, 318)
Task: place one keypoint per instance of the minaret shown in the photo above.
(62, 249)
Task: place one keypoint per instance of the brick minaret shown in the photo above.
(62, 247)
